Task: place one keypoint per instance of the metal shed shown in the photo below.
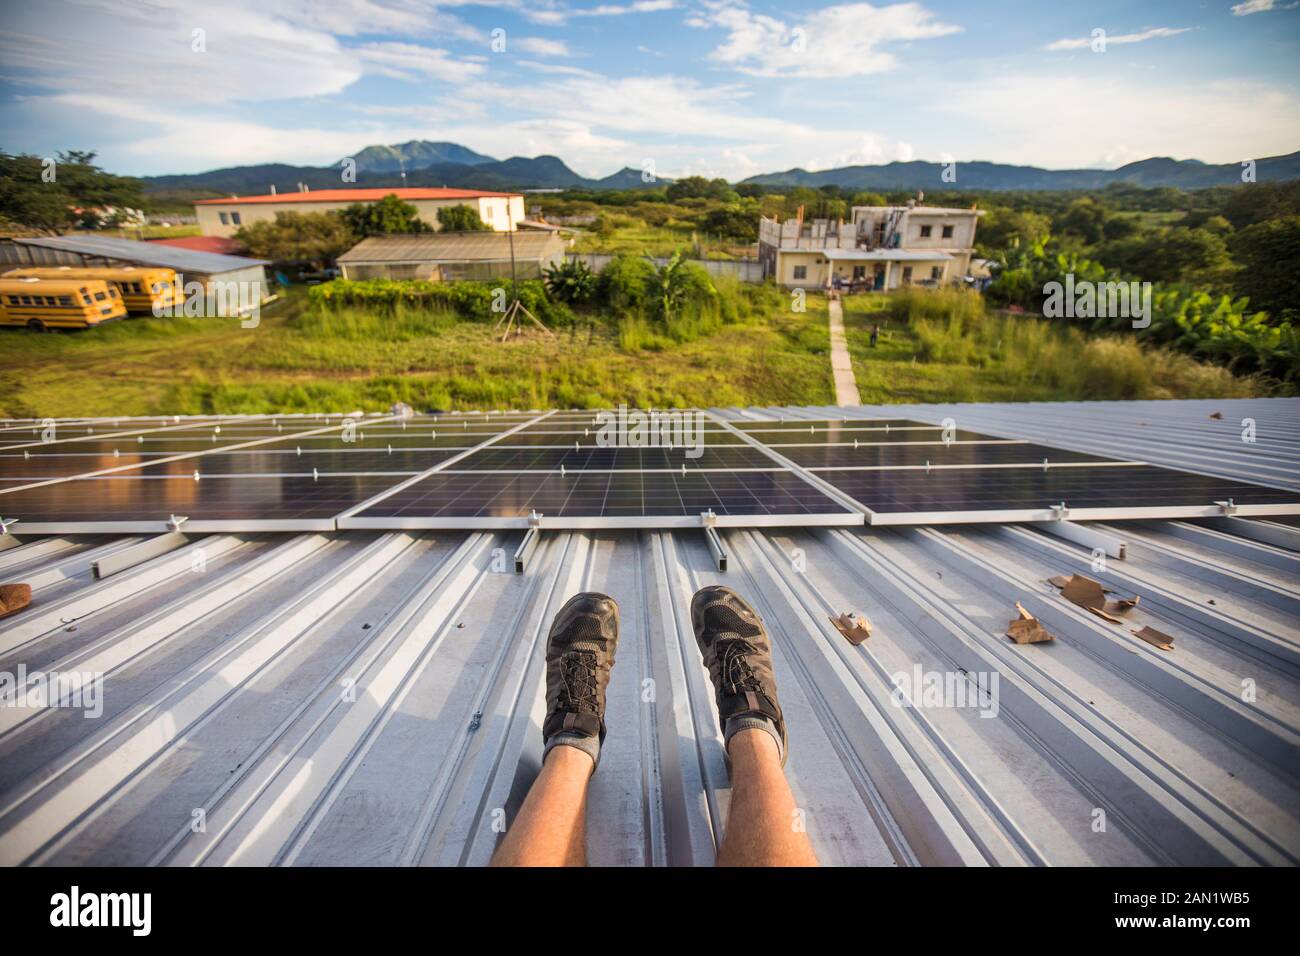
(366, 698)
(452, 255)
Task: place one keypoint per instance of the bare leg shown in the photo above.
(761, 825)
(550, 828)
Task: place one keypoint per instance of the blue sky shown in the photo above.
(718, 87)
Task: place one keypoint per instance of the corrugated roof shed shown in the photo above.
(147, 253)
(453, 247)
(375, 698)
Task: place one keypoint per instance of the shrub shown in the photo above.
(571, 281)
(626, 285)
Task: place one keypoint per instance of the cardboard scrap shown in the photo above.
(14, 597)
(855, 627)
(1089, 594)
(1026, 629)
(1159, 638)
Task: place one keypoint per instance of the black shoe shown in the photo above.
(738, 654)
(579, 656)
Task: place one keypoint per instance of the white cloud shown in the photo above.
(836, 41)
(540, 47)
(1260, 6)
(1081, 120)
(557, 13)
(1083, 43)
(409, 61)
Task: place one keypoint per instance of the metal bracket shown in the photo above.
(174, 523)
(7, 540)
(1090, 538)
(138, 554)
(529, 544)
(1060, 512)
(1228, 507)
(709, 521)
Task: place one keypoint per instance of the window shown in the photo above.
(947, 232)
(859, 272)
(925, 232)
(489, 209)
(234, 218)
(101, 296)
(65, 300)
(936, 272)
(907, 274)
(85, 298)
(27, 300)
(801, 272)
(225, 218)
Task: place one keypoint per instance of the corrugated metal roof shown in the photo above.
(360, 698)
(453, 247)
(149, 253)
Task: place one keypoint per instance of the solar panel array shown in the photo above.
(575, 469)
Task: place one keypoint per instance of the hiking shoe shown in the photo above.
(738, 654)
(579, 655)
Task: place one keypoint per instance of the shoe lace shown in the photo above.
(736, 672)
(578, 679)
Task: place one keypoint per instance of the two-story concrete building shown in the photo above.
(224, 217)
(880, 248)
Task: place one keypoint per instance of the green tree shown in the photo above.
(461, 219)
(698, 187)
(868, 199)
(678, 284)
(314, 237)
(1268, 253)
(999, 227)
(389, 216)
(43, 195)
(571, 281)
(625, 284)
(1177, 254)
(738, 221)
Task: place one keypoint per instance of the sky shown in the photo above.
(679, 87)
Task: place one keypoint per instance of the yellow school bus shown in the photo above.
(42, 304)
(141, 288)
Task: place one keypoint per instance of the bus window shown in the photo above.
(100, 296)
(65, 300)
(27, 300)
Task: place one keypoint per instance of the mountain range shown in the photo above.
(449, 164)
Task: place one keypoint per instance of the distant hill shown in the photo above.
(417, 154)
(517, 172)
(1183, 174)
(448, 164)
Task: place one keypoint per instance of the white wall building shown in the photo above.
(224, 217)
(880, 248)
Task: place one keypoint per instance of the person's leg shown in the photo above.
(761, 827)
(761, 824)
(550, 828)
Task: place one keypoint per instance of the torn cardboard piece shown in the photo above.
(1026, 629)
(1159, 638)
(14, 597)
(855, 627)
(1089, 594)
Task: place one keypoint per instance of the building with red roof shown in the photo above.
(224, 217)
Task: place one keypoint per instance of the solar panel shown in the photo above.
(500, 469)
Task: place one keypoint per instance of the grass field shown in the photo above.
(299, 359)
(943, 347)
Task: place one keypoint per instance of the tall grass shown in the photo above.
(1022, 351)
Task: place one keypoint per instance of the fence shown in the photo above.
(744, 270)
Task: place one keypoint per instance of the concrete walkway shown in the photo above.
(846, 387)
